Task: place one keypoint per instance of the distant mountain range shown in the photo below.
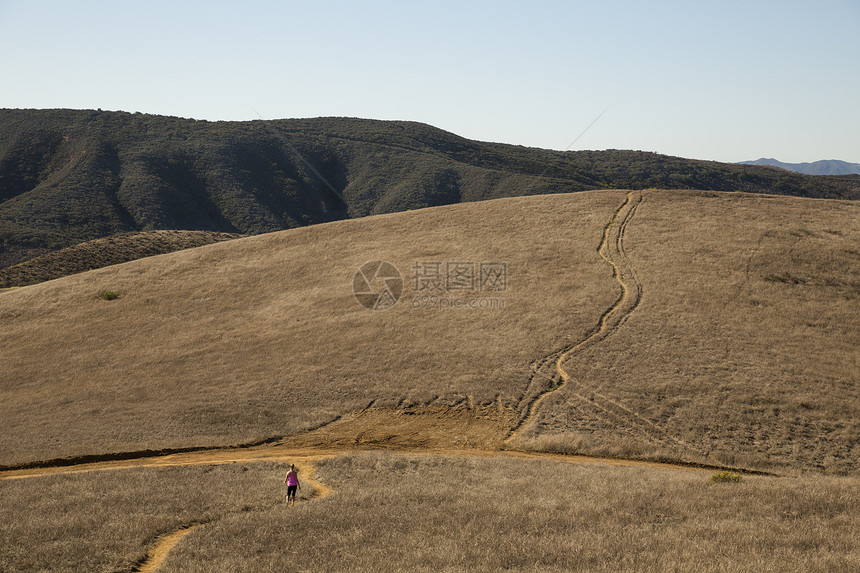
(823, 167)
(69, 176)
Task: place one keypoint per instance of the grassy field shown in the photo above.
(401, 512)
(105, 521)
(741, 349)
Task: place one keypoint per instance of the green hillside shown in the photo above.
(68, 176)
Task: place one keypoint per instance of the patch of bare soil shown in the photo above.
(463, 426)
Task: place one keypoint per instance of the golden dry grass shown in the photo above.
(401, 512)
(261, 337)
(743, 349)
(106, 521)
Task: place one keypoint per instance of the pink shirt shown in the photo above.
(292, 479)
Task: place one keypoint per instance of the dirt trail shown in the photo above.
(320, 490)
(158, 552)
(161, 548)
(549, 372)
(210, 457)
(304, 458)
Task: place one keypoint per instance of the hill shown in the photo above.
(71, 176)
(702, 327)
(823, 167)
(100, 253)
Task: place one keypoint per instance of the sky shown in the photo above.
(721, 80)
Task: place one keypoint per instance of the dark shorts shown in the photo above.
(291, 490)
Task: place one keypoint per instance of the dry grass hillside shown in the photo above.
(730, 336)
(260, 337)
(744, 348)
(104, 252)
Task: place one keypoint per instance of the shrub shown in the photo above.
(108, 294)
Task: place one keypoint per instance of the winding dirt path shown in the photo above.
(549, 371)
(304, 458)
(158, 552)
(161, 548)
(209, 457)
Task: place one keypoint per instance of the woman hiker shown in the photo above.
(292, 481)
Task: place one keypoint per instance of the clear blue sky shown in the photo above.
(725, 80)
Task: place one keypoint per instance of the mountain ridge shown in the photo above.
(821, 167)
(69, 176)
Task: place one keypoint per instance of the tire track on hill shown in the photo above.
(549, 373)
